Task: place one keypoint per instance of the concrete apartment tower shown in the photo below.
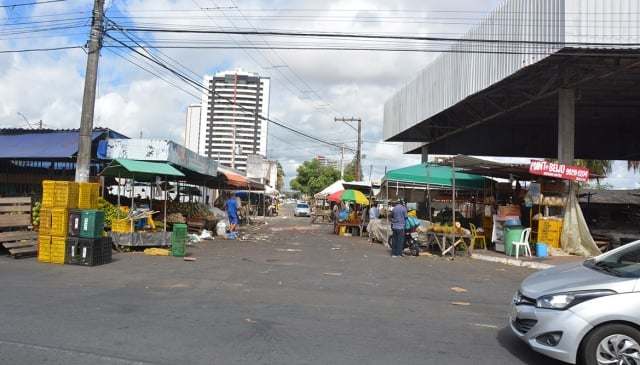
(233, 121)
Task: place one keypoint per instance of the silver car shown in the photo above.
(585, 312)
(302, 210)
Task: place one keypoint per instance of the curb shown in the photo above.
(512, 261)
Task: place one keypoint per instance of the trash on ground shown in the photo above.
(461, 303)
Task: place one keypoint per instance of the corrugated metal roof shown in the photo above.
(622, 197)
(515, 37)
(41, 144)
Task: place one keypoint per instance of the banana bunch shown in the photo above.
(110, 211)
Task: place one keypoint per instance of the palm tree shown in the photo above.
(600, 168)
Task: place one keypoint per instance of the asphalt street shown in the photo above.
(284, 292)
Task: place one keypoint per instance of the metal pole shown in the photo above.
(356, 174)
(358, 154)
(89, 97)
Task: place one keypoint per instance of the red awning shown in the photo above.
(236, 180)
(240, 182)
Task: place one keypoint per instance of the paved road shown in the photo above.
(289, 293)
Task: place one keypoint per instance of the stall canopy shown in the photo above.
(436, 176)
(140, 170)
(237, 181)
(336, 186)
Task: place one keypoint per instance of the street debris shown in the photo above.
(461, 303)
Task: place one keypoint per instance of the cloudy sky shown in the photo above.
(156, 53)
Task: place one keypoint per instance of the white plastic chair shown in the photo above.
(524, 242)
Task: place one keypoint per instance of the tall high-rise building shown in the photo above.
(192, 127)
(234, 117)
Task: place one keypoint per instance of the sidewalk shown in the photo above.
(531, 262)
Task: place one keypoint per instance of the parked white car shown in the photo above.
(584, 312)
(302, 210)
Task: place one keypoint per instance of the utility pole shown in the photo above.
(356, 174)
(342, 163)
(89, 97)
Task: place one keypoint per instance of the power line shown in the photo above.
(31, 3)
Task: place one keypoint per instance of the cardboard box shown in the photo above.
(506, 210)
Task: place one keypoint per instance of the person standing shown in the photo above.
(335, 211)
(373, 211)
(232, 214)
(398, 218)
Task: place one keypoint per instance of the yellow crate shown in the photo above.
(65, 194)
(48, 187)
(59, 222)
(58, 248)
(44, 248)
(88, 195)
(121, 226)
(45, 221)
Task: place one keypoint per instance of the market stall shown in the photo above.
(125, 230)
(349, 220)
(558, 221)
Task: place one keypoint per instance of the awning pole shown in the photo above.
(453, 199)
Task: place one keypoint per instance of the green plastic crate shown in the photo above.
(179, 240)
(92, 224)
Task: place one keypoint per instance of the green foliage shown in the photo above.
(604, 186)
(350, 172)
(280, 179)
(313, 177)
(600, 167)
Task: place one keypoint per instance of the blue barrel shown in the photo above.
(541, 249)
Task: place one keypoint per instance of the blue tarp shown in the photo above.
(43, 145)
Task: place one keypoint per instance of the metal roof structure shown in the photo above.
(621, 197)
(496, 93)
(47, 144)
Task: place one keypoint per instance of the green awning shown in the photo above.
(435, 175)
(139, 170)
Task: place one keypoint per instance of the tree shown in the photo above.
(280, 178)
(350, 171)
(313, 177)
(633, 165)
(597, 167)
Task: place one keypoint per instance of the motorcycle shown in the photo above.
(410, 241)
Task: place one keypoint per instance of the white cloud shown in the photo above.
(309, 87)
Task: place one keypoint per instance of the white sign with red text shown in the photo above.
(562, 171)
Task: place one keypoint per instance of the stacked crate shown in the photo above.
(88, 251)
(57, 198)
(72, 228)
(86, 244)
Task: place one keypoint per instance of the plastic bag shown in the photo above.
(205, 235)
(411, 222)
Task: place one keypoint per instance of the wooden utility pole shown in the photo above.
(89, 97)
(356, 174)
